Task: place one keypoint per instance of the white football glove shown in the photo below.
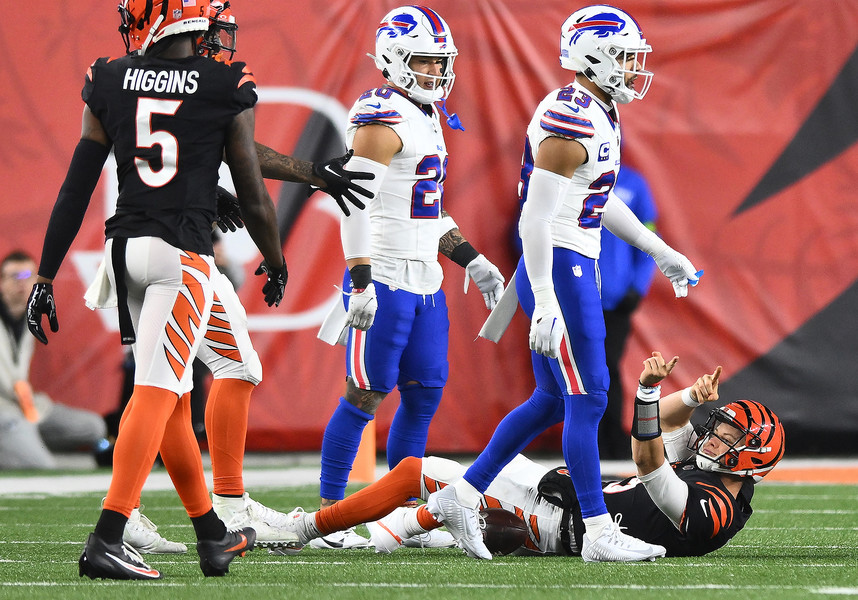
(488, 278)
(546, 326)
(362, 307)
(678, 269)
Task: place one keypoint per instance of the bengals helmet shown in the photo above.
(597, 41)
(755, 453)
(146, 22)
(219, 41)
(415, 31)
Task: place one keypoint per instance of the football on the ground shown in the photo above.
(504, 531)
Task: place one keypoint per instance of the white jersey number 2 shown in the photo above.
(427, 193)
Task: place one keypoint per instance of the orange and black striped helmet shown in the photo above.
(145, 22)
(755, 452)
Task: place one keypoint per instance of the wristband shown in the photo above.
(463, 254)
(361, 276)
(647, 393)
(646, 424)
(687, 400)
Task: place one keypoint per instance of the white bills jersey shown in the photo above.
(405, 215)
(571, 112)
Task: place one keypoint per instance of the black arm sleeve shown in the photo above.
(72, 202)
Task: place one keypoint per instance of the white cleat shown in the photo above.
(431, 539)
(391, 533)
(615, 546)
(303, 525)
(386, 533)
(142, 534)
(272, 527)
(462, 521)
(341, 540)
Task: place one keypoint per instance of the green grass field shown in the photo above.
(802, 542)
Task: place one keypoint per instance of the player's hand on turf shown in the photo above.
(488, 278)
(41, 302)
(275, 286)
(362, 307)
(339, 183)
(228, 211)
(678, 269)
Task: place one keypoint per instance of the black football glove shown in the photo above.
(41, 302)
(275, 287)
(228, 211)
(339, 183)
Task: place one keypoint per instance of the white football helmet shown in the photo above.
(415, 31)
(596, 41)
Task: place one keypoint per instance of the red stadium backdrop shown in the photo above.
(746, 137)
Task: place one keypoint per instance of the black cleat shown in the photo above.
(100, 560)
(215, 556)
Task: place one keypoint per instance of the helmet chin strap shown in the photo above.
(152, 32)
(704, 463)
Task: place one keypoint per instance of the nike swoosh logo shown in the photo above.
(239, 545)
(375, 106)
(705, 507)
(572, 108)
(331, 171)
(133, 567)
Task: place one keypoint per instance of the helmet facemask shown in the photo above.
(729, 457)
(219, 41)
(614, 82)
(403, 76)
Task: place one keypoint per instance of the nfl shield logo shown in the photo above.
(576, 271)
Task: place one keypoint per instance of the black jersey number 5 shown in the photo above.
(148, 137)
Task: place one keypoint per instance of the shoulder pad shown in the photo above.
(378, 105)
(567, 120)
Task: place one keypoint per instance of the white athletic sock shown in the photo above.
(467, 494)
(595, 525)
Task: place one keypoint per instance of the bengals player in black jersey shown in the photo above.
(692, 493)
(169, 112)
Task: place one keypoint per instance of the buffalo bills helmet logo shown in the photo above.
(401, 24)
(602, 25)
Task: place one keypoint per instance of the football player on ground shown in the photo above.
(691, 503)
(169, 111)
(395, 310)
(569, 166)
